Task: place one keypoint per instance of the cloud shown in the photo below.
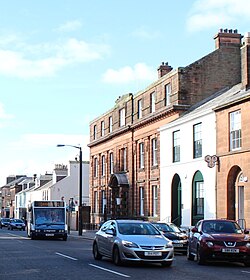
(43, 141)
(4, 116)
(44, 60)
(217, 13)
(128, 74)
(70, 26)
(143, 33)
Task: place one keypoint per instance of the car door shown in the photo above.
(102, 238)
(194, 237)
(110, 238)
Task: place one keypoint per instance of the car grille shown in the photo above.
(155, 248)
(229, 243)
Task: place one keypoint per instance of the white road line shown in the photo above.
(65, 256)
(244, 271)
(108, 270)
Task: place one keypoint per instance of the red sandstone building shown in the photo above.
(124, 142)
(233, 148)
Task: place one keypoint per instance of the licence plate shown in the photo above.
(49, 234)
(18, 226)
(177, 244)
(230, 250)
(152, 254)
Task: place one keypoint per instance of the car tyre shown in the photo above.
(199, 257)
(247, 263)
(116, 256)
(96, 254)
(65, 237)
(190, 257)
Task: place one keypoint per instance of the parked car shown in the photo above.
(219, 240)
(132, 240)
(4, 222)
(178, 237)
(16, 224)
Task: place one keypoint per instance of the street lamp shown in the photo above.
(80, 186)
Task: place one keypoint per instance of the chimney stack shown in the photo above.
(164, 69)
(245, 62)
(227, 38)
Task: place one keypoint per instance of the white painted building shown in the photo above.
(188, 184)
(62, 184)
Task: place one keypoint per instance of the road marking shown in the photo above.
(65, 256)
(244, 271)
(108, 270)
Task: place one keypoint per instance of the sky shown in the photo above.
(64, 63)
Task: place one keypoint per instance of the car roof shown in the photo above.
(131, 221)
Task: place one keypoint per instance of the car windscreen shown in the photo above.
(221, 227)
(49, 216)
(137, 229)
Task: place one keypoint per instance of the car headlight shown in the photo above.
(169, 244)
(248, 245)
(129, 244)
(210, 244)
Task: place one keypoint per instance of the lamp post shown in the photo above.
(80, 186)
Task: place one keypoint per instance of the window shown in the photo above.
(154, 152)
(123, 159)
(102, 128)
(176, 146)
(110, 124)
(152, 102)
(103, 165)
(111, 163)
(95, 132)
(141, 201)
(197, 140)
(122, 117)
(167, 94)
(95, 167)
(139, 114)
(235, 130)
(95, 202)
(141, 153)
(104, 201)
(154, 200)
(199, 198)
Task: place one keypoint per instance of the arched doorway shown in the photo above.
(176, 201)
(197, 198)
(119, 195)
(231, 184)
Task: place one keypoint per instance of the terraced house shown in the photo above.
(125, 141)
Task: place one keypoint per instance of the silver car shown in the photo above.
(132, 240)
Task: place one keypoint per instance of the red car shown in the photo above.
(219, 240)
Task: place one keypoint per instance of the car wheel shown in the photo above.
(247, 263)
(65, 238)
(96, 254)
(116, 256)
(190, 257)
(199, 257)
(166, 264)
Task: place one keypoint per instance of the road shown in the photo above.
(25, 259)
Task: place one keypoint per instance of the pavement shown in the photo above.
(86, 234)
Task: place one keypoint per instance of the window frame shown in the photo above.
(152, 102)
(167, 89)
(197, 140)
(154, 151)
(141, 155)
(139, 107)
(122, 117)
(235, 130)
(176, 146)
